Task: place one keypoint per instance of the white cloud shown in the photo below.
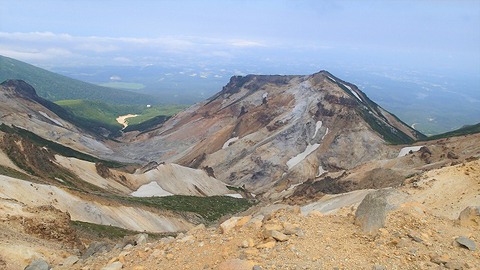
(122, 59)
(64, 49)
(245, 43)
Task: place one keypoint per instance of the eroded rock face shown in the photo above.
(263, 130)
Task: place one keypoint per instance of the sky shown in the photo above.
(285, 35)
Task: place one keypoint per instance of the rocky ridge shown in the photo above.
(263, 130)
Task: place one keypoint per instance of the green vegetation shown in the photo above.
(13, 173)
(55, 87)
(209, 208)
(106, 114)
(58, 148)
(466, 130)
(123, 85)
(389, 134)
(109, 232)
(237, 189)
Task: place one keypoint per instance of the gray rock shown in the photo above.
(141, 238)
(38, 264)
(70, 261)
(94, 248)
(379, 267)
(257, 267)
(466, 243)
(113, 266)
(372, 211)
(454, 265)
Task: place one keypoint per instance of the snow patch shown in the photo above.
(318, 125)
(51, 119)
(353, 92)
(294, 186)
(149, 190)
(326, 132)
(235, 195)
(331, 78)
(300, 157)
(320, 171)
(228, 142)
(404, 151)
(265, 95)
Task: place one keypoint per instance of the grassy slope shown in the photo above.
(107, 113)
(57, 148)
(55, 87)
(459, 132)
(209, 208)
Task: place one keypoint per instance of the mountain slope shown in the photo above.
(55, 87)
(22, 107)
(262, 130)
(470, 129)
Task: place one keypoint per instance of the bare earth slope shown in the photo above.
(261, 130)
(416, 236)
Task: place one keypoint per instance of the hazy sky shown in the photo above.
(440, 34)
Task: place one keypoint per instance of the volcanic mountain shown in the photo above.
(260, 131)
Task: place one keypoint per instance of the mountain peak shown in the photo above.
(20, 88)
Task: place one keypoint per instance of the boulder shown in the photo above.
(229, 224)
(466, 243)
(94, 248)
(470, 216)
(38, 264)
(141, 238)
(372, 211)
(279, 236)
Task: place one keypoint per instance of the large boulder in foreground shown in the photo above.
(372, 211)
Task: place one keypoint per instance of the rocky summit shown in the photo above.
(261, 131)
(272, 172)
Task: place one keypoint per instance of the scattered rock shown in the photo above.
(439, 259)
(242, 221)
(454, 265)
(256, 222)
(372, 211)
(290, 229)
(188, 238)
(94, 248)
(270, 244)
(470, 216)
(273, 227)
(279, 236)
(38, 264)
(70, 261)
(452, 155)
(198, 228)
(113, 266)
(419, 238)
(229, 224)
(236, 264)
(466, 243)
(141, 238)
